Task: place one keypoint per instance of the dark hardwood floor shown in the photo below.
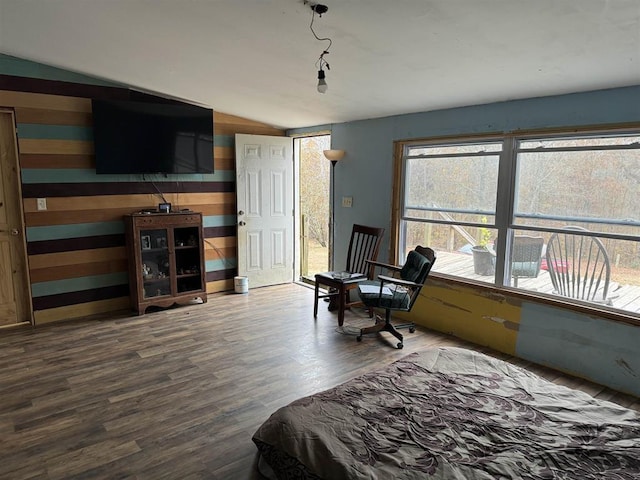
(177, 394)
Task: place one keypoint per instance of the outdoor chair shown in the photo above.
(526, 257)
(396, 292)
(364, 245)
(579, 266)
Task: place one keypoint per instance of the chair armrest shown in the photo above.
(398, 281)
(375, 263)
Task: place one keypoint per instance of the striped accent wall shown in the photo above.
(76, 248)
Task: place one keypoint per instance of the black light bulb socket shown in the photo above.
(320, 74)
(319, 8)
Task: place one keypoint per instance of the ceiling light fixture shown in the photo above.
(321, 64)
(322, 83)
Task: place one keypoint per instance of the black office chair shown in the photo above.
(396, 293)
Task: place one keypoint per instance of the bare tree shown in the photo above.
(314, 187)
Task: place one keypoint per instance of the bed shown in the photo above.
(450, 413)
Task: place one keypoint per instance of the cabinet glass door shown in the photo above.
(154, 251)
(187, 248)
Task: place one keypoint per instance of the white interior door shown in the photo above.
(15, 302)
(264, 189)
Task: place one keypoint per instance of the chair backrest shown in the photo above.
(416, 269)
(526, 256)
(430, 255)
(578, 265)
(364, 245)
(400, 296)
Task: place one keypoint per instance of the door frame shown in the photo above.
(22, 282)
(246, 211)
(297, 152)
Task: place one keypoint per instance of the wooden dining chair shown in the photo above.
(579, 265)
(364, 245)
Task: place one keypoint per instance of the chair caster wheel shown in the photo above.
(412, 329)
(400, 346)
(359, 338)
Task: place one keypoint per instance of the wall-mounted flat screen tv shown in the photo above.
(139, 137)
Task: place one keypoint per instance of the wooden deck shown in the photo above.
(624, 297)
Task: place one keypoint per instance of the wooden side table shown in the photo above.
(338, 284)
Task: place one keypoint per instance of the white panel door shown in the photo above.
(264, 191)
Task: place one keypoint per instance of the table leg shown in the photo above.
(341, 303)
(315, 300)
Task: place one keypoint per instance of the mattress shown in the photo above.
(451, 413)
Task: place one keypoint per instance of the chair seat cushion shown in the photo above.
(392, 297)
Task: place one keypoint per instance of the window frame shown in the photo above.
(505, 218)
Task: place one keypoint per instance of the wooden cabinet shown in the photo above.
(166, 259)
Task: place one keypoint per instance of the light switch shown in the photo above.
(347, 202)
(42, 204)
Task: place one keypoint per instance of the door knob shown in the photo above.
(241, 223)
(14, 232)
(241, 212)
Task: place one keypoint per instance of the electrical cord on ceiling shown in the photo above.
(321, 61)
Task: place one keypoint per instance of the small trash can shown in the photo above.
(241, 284)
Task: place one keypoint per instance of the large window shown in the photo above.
(556, 215)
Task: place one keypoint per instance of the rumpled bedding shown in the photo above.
(451, 413)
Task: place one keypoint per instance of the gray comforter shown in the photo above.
(450, 413)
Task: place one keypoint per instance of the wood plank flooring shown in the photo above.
(177, 394)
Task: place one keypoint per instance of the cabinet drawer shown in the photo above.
(164, 221)
(150, 221)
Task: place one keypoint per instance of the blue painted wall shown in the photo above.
(591, 347)
(367, 169)
(598, 349)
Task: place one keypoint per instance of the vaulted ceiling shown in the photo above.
(257, 58)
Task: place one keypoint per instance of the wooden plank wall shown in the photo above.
(76, 251)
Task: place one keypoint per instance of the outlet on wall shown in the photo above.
(347, 202)
(42, 204)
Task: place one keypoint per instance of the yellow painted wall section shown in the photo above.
(475, 314)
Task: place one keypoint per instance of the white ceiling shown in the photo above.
(257, 58)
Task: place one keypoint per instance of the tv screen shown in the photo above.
(140, 137)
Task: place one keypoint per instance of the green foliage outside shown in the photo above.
(485, 234)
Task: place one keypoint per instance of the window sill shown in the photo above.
(568, 304)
